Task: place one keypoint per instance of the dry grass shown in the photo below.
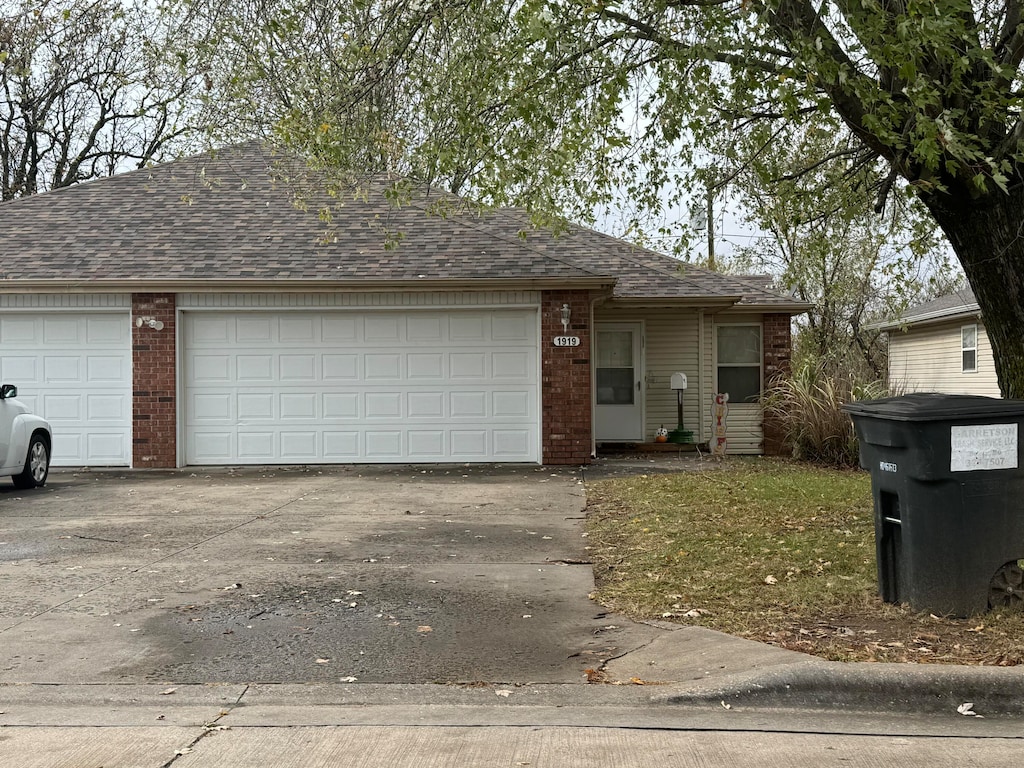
(775, 551)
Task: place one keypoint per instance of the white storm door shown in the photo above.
(618, 380)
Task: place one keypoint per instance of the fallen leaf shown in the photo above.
(424, 628)
(323, 661)
(770, 580)
(232, 586)
(637, 681)
(348, 679)
(726, 706)
(967, 709)
(168, 691)
(503, 693)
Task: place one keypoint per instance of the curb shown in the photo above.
(861, 687)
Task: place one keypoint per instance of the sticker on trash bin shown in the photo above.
(985, 446)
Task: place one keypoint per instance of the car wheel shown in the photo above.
(37, 465)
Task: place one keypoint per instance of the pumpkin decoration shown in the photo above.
(661, 436)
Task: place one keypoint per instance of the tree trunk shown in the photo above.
(987, 235)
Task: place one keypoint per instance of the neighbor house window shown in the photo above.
(969, 348)
(739, 362)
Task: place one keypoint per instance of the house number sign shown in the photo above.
(567, 341)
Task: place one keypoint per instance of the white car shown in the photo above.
(25, 442)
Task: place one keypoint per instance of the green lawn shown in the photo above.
(772, 550)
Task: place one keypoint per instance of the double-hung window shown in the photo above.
(969, 349)
(739, 362)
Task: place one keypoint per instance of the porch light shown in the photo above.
(566, 312)
(149, 322)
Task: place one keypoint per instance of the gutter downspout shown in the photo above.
(593, 377)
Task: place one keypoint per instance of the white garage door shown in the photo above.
(74, 369)
(367, 386)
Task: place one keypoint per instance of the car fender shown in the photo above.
(22, 429)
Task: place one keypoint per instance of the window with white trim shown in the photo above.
(969, 349)
(739, 362)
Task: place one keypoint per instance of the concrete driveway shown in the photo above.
(369, 574)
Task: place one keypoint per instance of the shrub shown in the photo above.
(807, 405)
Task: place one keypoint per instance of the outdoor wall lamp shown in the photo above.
(150, 322)
(566, 312)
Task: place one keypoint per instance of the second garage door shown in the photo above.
(291, 387)
(75, 369)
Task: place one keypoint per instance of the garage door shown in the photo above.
(367, 386)
(74, 369)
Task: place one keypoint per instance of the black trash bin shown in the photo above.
(948, 486)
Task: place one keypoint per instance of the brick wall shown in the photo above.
(565, 380)
(778, 351)
(154, 383)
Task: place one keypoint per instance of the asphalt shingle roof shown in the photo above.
(962, 300)
(235, 216)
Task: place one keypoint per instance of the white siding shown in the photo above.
(671, 345)
(65, 301)
(929, 360)
(744, 421)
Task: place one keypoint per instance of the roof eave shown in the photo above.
(701, 302)
(284, 285)
(931, 318)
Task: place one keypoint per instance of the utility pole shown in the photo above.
(711, 224)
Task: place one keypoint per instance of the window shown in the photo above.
(969, 349)
(615, 368)
(739, 362)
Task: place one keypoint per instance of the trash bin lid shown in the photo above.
(935, 406)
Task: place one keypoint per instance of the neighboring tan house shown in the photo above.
(941, 346)
(199, 313)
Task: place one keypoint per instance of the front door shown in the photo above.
(618, 379)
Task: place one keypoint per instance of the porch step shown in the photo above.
(611, 449)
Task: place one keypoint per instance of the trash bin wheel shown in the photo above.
(1006, 590)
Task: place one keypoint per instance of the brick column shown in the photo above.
(565, 380)
(778, 352)
(154, 383)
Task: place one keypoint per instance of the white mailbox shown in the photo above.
(678, 381)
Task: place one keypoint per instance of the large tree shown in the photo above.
(88, 88)
(850, 264)
(555, 102)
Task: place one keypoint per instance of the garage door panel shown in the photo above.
(426, 329)
(383, 405)
(300, 367)
(387, 367)
(256, 445)
(374, 385)
(100, 330)
(64, 331)
(511, 442)
(383, 444)
(24, 370)
(213, 406)
(212, 368)
(62, 369)
(74, 368)
(341, 405)
(107, 368)
(60, 408)
(341, 445)
(343, 368)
